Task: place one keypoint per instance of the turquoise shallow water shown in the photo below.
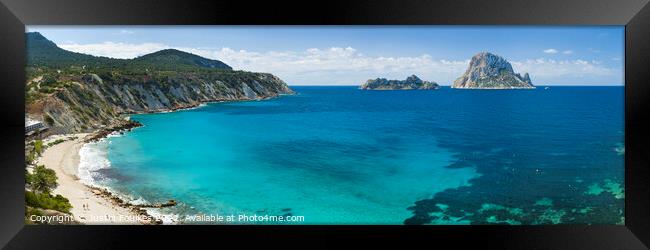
(339, 155)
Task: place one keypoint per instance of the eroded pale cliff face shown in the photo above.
(489, 71)
(411, 82)
(90, 102)
(73, 92)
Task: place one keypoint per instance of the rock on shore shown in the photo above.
(117, 126)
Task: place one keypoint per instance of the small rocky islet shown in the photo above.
(411, 83)
(485, 71)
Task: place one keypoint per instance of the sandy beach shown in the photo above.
(63, 158)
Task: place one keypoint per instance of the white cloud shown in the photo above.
(550, 51)
(549, 68)
(345, 65)
(348, 66)
(555, 51)
(126, 32)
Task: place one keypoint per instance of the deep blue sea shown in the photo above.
(339, 155)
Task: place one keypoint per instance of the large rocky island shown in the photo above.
(489, 71)
(73, 92)
(412, 82)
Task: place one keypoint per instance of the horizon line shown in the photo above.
(344, 85)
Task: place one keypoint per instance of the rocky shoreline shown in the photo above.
(138, 210)
(119, 126)
(87, 101)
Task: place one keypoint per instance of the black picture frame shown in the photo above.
(633, 14)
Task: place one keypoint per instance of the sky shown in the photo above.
(350, 55)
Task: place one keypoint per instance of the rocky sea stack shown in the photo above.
(489, 71)
(411, 82)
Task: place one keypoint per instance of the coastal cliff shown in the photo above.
(489, 71)
(412, 82)
(73, 92)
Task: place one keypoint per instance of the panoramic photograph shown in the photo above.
(324, 125)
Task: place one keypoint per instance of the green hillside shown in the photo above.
(75, 92)
(42, 52)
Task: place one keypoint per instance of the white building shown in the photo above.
(33, 126)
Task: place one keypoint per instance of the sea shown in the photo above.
(339, 155)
